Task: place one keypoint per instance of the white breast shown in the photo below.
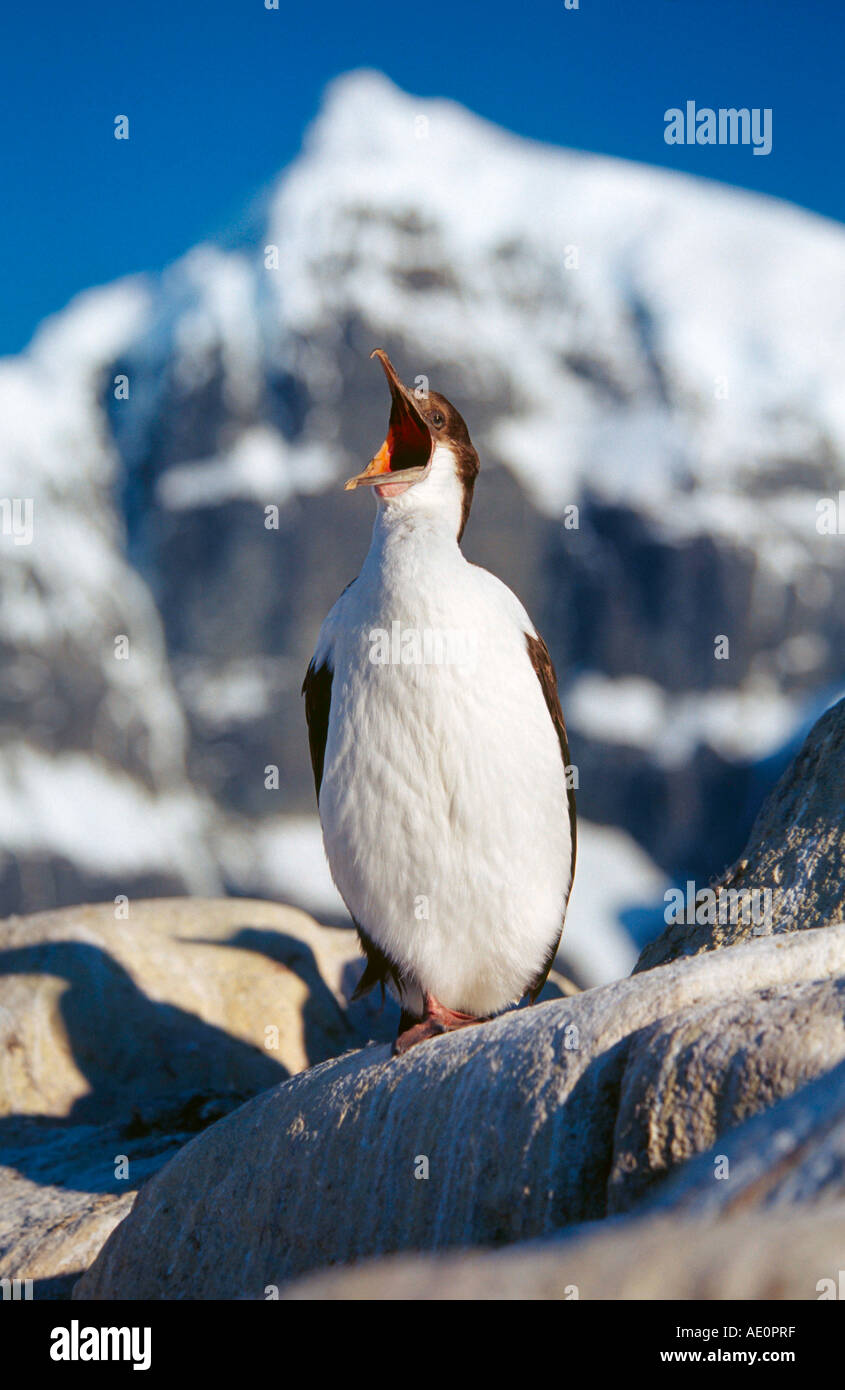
(443, 800)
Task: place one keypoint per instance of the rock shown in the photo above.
(760, 1216)
(791, 1155)
(65, 1186)
(659, 1258)
(120, 1040)
(60, 1196)
(50, 1235)
(181, 997)
(696, 1075)
(513, 1122)
(796, 852)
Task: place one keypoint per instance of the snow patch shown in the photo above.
(742, 724)
(81, 808)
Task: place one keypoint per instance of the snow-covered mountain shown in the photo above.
(654, 358)
(93, 793)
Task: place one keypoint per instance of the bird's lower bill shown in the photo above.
(392, 489)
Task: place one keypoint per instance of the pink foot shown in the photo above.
(437, 1019)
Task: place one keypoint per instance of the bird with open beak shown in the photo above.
(438, 746)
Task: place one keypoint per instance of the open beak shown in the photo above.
(406, 452)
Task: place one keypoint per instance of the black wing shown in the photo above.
(317, 689)
(538, 653)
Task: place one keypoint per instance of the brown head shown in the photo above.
(427, 452)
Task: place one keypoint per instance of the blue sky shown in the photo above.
(219, 92)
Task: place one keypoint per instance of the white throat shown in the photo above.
(433, 505)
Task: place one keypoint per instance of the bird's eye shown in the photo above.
(438, 420)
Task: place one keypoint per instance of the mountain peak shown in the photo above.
(365, 115)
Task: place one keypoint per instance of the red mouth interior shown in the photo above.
(409, 440)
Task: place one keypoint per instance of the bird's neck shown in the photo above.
(412, 541)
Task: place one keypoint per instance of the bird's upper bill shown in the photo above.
(406, 452)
